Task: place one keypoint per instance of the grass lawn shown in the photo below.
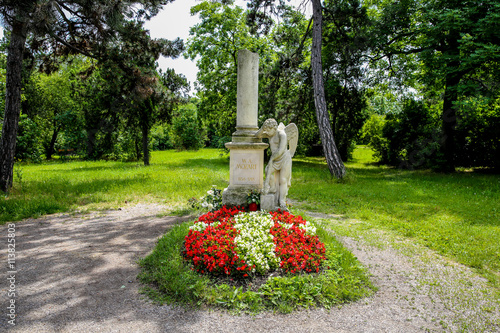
(457, 215)
(55, 186)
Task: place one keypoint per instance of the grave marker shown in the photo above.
(246, 150)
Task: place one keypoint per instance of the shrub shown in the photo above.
(28, 146)
(477, 132)
(187, 131)
(372, 135)
(213, 199)
(127, 147)
(160, 138)
(412, 137)
(347, 106)
(72, 137)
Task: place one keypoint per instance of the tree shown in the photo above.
(285, 91)
(187, 131)
(216, 40)
(48, 100)
(59, 28)
(455, 42)
(333, 159)
(261, 17)
(18, 21)
(346, 45)
(95, 90)
(142, 97)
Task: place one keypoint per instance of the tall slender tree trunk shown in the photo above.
(449, 122)
(333, 160)
(145, 145)
(449, 115)
(12, 104)
(51, 149)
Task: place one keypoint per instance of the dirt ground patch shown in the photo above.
(77, 273)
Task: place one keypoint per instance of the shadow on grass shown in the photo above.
(455, 214)
(392, 191)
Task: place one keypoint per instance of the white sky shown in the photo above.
(174, 21)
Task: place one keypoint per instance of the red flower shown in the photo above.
(213, 249)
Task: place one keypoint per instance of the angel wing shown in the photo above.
(292, 134)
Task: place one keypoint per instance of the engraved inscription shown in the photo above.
(246, 168)
(246, 165)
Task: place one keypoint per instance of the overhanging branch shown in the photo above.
(74, 48)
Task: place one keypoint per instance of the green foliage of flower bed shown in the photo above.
(174, 279)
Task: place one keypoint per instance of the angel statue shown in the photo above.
(283, 143)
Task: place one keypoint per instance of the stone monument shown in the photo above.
(246, 149)
(283, 143)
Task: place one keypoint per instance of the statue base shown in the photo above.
(269, 203)
(237, 195)
(246, 171)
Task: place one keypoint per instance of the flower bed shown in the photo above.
(232, 242)
(226, 251)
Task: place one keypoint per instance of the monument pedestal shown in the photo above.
(246, 150)
(268, 202)
(245, 171)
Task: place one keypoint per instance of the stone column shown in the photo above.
(247, 94)
(246, 150)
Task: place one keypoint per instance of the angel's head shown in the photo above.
(268, 129)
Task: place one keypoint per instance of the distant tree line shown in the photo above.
(41, 34)
(78, 111)
(418, 81)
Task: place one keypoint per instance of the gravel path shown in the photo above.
(77, 273)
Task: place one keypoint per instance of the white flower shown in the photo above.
(255, 243)
(200, 226)
(308, 227)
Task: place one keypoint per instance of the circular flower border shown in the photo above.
(232, 242)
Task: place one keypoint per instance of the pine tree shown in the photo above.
(58, 28)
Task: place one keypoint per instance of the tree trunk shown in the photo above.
(12, 104)
(449, 115)
(449, 122)
(138, 150)
(333, 160)
(51, 150)
(91, 137)
(145, 148)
